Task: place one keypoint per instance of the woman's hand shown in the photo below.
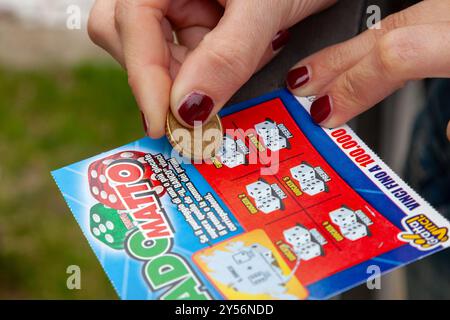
(353, 76)
(220, 44)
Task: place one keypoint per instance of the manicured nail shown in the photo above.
(195, 107)
(144, 123)
(280, 40)
(297, 77)
(321, 109)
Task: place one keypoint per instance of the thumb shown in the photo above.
(225, 59)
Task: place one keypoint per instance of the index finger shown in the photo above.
(147, 57)
(312, 75)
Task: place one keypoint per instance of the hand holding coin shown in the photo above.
(199, 143)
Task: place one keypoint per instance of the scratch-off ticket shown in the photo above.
(285, 210)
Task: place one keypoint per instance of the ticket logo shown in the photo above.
(130, 216)
(423, 233)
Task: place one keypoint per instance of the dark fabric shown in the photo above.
(428, 168)
(428, 172)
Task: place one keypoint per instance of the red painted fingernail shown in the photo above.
(195, 107)
(144, 123)
(297, 77)
(321, 109)
(280, 40)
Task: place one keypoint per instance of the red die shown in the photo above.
(103, 190)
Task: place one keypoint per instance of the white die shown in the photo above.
(309, 251)
(276, 143)
(312, 187)
(297, 236)
(233, 160)
(259, 189)
(266, 253)
(343, 217)
(228, 146)
(268, 204)
(265, 136)
(303, 173)
(266, 127)
(354, 231)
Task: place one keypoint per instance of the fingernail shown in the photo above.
(195, 107)
(144, 123)
(321, 109)
(280, 40)
(297, 77)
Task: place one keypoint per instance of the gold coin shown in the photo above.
(198, 143)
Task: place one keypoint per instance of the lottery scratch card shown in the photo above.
(285, 210)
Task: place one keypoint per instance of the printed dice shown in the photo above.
(309, 251)
(259, 190)
(270, 135)
(312, 187)
(276, 143)
(343, 217)
(268, 204)
(354, 231)
(266, 127)
(303, 173)
(266, 253)
(103, 190)
(297, 236)
(109, 226)
(228, 146)
(233, 159)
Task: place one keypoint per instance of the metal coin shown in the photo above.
(198, 143)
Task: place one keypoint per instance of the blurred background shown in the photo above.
(62, 100)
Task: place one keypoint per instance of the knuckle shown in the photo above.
(121, 7)
(342, 104)
(395, 51)
(395, 21)
(124, 7)
(349, 85)
(228, 58)
(349, 91)
(390, 23)
(133, 79)
(95, 25)
(336, 59)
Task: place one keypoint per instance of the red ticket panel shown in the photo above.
(313, 217)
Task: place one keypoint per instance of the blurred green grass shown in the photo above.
(49, 119)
